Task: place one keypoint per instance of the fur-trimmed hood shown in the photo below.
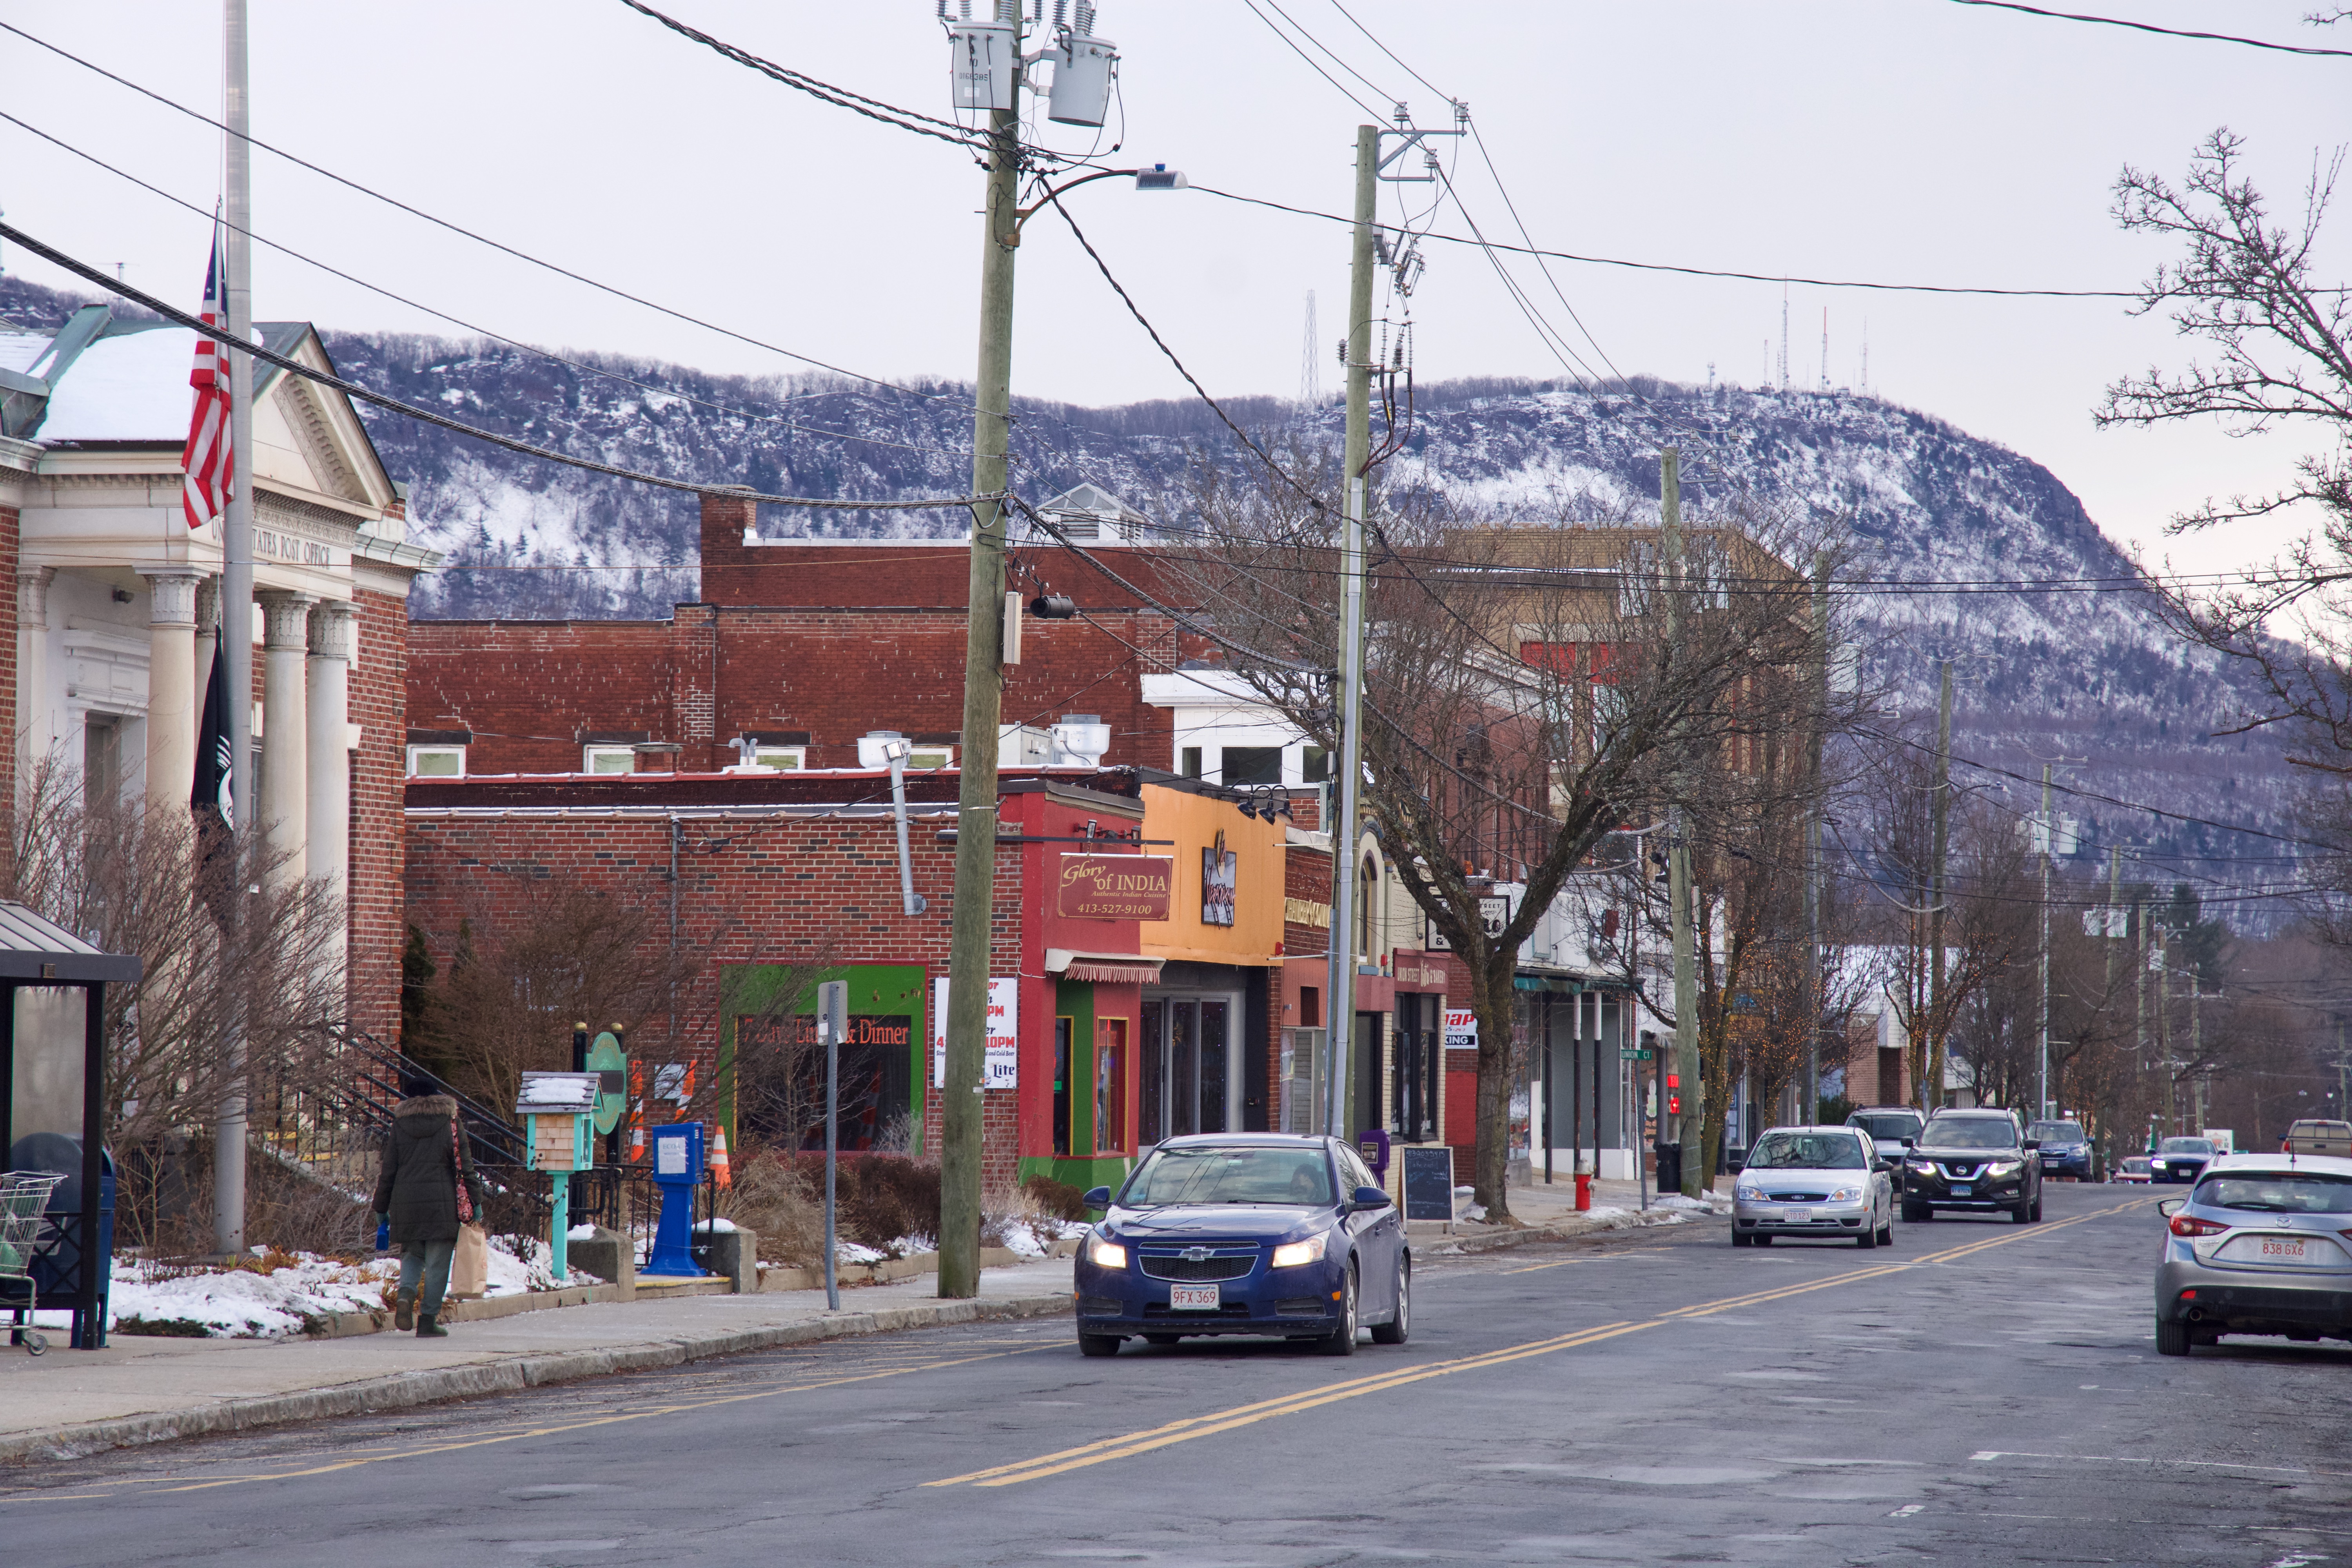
(440, 1105)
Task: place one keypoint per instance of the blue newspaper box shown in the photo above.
(677, 1171)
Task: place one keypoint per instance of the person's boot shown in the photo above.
(404, 1311)
(428, 1328)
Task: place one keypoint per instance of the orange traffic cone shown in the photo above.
(719, 1174)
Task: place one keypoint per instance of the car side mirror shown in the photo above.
(2170, 1206)
(1368, 1199)
(1096, 1198)
(2032, 1143)
(1909, 1142)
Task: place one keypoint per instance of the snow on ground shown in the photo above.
(280, 1292)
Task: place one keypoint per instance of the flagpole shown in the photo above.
(237, 583)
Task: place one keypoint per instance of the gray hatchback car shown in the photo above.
(2261, 1246)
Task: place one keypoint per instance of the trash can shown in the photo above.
(57, 1267)
(1670, 1167)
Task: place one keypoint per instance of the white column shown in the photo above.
(33, 715)
(329, 840)
(285, 804)
(174, 692)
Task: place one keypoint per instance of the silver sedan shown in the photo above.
(1819, 1182)
(2259, 1246)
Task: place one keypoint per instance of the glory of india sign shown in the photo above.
(1116, 888)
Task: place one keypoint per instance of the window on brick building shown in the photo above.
(931, 757)
(1252, 765)
(1314, 765)
(608, 759)
(783, 759)
(1190, 766)
(436, 761)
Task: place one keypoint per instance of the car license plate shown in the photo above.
(1192, 1298)
(1962, 1190)
(1799, 1216)
(2280, 1249)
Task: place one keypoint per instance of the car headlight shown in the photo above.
(1923, 1167)
(2003, 1167)
(1106, 1254)
(1846, 1195)
(1292, 1253)
(1750, 1194)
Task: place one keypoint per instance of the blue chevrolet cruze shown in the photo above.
(1245, 1234)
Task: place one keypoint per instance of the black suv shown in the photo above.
(1976, 1160)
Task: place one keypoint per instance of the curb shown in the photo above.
(402, 1391)
(1566, 1230)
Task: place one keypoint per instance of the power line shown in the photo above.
(1336, 84)
(426, 416)
(551, 358)
(465, 233)
(856, 103)
(2150, 27)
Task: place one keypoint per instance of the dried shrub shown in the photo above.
(878, 1198)
(777, 1203)
(1058, 1199)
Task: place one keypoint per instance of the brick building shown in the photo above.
(797, 649)
(118, 605)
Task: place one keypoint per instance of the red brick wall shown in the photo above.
(379, 700)
(9, 536)
(750, 889)
(530, 691)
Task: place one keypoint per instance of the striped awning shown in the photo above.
(1102, 968)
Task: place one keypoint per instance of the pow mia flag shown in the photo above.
(210, 797)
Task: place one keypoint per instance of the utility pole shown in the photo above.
(2164, 1033)
(1815, 999)
(1678, 865)
(237, 578)
(1348, 701)
(2197, 1049)
(983, 700)
(2049, 848)
(1928, 1096)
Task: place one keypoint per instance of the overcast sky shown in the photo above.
(1915, 141)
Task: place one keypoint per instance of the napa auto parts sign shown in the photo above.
(1460, 1029)
(1002, 1069)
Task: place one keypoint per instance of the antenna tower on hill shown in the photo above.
(1784, 337)
(1310, 363)
(1825, 348)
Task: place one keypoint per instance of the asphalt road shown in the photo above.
(1983, 1393)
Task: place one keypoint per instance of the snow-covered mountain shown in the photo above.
(1962, 549)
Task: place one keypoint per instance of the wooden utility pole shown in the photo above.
(1816, 996)
(1681, 1126)
(983, 701)
(1348, 701)
(1929, 1095)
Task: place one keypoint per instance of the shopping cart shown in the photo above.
(23, 1213)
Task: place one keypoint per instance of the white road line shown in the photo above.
(1907, 1511)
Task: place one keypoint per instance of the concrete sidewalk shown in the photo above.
(1548, 1213)
(141, 1389)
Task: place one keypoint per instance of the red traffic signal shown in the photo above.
(1674, 1105)
(1674, 1081)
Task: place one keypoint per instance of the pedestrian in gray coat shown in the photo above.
(423, 1160)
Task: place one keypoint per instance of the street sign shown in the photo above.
(1627, 1054)
(610, 1066)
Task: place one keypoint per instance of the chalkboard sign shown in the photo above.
(1428, 1182)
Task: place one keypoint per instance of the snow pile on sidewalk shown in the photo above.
(1706, 1203)
(1033, 1236)
(274, 1298)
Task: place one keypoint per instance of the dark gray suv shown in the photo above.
(1975, 1161)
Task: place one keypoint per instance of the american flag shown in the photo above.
(206, 460)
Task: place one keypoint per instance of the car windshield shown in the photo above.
(2276, 1192)
(2058, 1133)
(1970, 1132)
(1212, 1174)
(1889, 1129)
(1807, 1152)
(2188, 1146)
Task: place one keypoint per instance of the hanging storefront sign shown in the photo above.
(1218, 879)
(1460, 1029)
(1116, 888)
(1002, 1063)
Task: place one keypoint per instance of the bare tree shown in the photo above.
(1528, 691)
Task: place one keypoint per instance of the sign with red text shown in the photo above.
(1002, 1062)
(1114, 888)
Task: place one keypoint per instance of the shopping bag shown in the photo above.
(470, 1270)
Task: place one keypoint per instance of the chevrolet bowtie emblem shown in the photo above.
(1196, 1255)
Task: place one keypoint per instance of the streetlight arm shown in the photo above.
(1022, 214)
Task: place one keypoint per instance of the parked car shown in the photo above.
(2259, 1246)
(2065, 1149)
(1975, 1162)
(1821, 1182)
(1892, 1126)
(1247, 1234)
(2132, 1169)
(2180, 1159)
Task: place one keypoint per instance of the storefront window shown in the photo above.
(1062, 1085)
(1110, 1086)
(1149, 1089)
(1185, 1073)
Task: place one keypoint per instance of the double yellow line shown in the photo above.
(1208, 1426)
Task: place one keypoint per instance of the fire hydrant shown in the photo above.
(1583, 1191)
